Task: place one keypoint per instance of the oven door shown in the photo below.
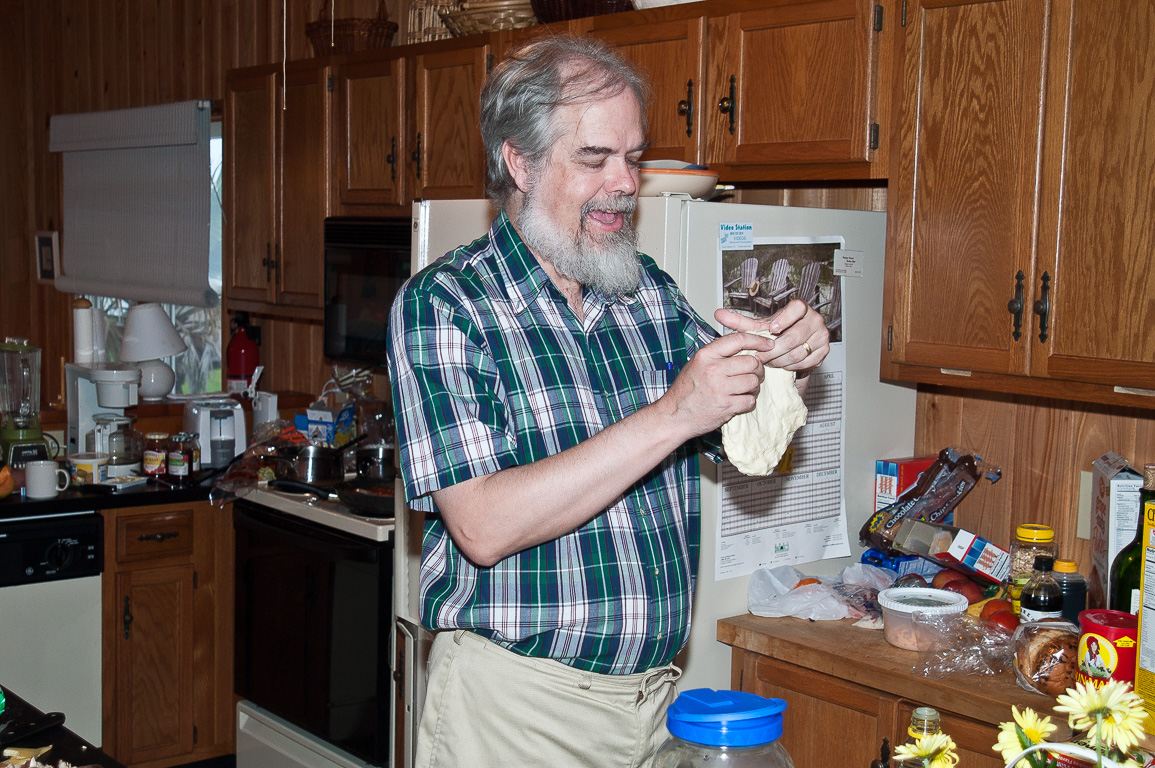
(313, 617)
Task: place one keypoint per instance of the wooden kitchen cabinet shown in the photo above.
(371, 135)
(841, 706)
(1020, 213)
(277, 186)
(167, 634)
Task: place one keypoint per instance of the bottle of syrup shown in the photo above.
(1042, 597)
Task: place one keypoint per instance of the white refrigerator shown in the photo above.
(707, 247)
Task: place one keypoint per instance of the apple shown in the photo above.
(944, 577)
(995, 604)
(1004, 618)
(910, 580)
(965, 587)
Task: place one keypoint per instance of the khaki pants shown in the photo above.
(486, 706)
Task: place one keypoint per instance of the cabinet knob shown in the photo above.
(728, 105)
(686, 108)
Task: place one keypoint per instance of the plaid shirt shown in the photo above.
(490, 369)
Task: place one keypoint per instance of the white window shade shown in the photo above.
(137, 186)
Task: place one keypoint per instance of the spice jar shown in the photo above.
(1031, 540)
(155, 458)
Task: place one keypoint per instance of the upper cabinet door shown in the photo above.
(304, 187)
(793, 83)
(250, 184)
(370, 133)
(446, 155)
(962, 216)
(1097, 229)
(671, 53)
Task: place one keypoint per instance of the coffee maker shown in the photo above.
(96, 388)
(21, 439)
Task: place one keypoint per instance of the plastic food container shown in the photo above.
(729, 728)
(899, 604)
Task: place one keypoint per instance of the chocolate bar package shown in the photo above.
(939, 489)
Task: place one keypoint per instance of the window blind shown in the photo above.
(136, 198)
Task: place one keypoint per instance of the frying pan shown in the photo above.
(368, 499)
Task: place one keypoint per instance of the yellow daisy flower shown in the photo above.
(1112, 715)
(1035, 728)
(935, 751)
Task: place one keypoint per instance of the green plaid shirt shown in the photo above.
(490, 369)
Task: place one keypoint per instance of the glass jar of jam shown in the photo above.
(179, 459)
(155, 458)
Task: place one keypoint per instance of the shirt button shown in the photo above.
(655, 571)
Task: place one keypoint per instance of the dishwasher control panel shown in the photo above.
(51, 548)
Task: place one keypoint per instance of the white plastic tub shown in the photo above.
(899, 604)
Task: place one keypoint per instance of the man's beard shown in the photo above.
(610, 267)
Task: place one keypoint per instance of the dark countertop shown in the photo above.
(85, 499)
(66, 745)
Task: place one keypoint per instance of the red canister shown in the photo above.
(1107, 647)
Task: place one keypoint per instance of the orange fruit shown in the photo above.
(807, 580)
(7, 482)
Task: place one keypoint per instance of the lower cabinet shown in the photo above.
(167, 634)
(849, 693)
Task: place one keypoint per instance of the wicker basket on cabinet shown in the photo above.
(330, 36)
(488, 16)
(549, 11)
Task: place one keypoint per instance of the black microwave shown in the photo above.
(366, 261)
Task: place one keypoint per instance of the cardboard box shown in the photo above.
(954, 548)
(1145, 658)
(1114, 517)
(893, 476)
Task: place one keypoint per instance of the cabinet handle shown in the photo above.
(1015, 306)
(158, 536)
(1043, 307)
(391, 158)
(277, 262)
(883, 754)
(267, 262)
(728, 105)
(686, 107)
(416, 156)
(127, 617)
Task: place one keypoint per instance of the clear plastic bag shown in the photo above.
(961, 644)
(245, 473)
(1046, 656)
(774, 592)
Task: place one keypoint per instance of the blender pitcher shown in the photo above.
(20, 435)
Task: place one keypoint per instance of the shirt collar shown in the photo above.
(523, 276)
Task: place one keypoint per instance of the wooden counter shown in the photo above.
(847, 689)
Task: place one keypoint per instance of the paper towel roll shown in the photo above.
(99, 330)
(82, 331)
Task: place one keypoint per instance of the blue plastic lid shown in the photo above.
(725, 718)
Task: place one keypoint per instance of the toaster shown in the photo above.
(220, 423)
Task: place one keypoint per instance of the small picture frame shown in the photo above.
(47, 256)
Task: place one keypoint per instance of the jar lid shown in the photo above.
(725, 718)
(922, 600)
(157, 435)
(1066, 566)
(1035, 532)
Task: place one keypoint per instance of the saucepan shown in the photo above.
(312, 464)
(366, 498)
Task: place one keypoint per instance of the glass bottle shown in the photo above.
(732, 728)
(1073, 585)
(1031, 540)
(924, 721)
(179, 459)
(155, 458)
(1041, 598)
(1127, 568)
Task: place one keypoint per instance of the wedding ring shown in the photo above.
(809, 351)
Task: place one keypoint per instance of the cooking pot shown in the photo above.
(312, 464)
(366, 498)
(375, 462)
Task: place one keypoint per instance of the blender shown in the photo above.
(20, 435)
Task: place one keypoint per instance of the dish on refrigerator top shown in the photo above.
(660, 177)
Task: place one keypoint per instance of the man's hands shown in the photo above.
(803, 341)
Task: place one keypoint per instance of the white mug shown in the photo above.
(44, 479)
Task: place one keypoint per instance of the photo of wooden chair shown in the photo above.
(748, 286)
(808, 283)
(776, 289)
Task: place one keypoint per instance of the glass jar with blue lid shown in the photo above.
(740, 729)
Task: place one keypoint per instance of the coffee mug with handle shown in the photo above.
(43, 479)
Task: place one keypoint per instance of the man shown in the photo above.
(551, 385)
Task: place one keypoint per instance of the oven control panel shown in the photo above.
(51, 548)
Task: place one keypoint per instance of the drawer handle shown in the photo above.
(158, 536)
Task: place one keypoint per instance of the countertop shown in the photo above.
(86, 499)
(66, 745)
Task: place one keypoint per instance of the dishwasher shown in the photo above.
(50, 568)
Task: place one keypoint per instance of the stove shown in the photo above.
(330, 514)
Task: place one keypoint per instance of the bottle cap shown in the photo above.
(1066, 566)
(1035, 532)
(1044, 562)
(725, 718)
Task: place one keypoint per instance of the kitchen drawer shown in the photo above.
(151, 536)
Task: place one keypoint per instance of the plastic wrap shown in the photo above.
(961, 644)
(246, 471)
(775, 592)
(1046, 655)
